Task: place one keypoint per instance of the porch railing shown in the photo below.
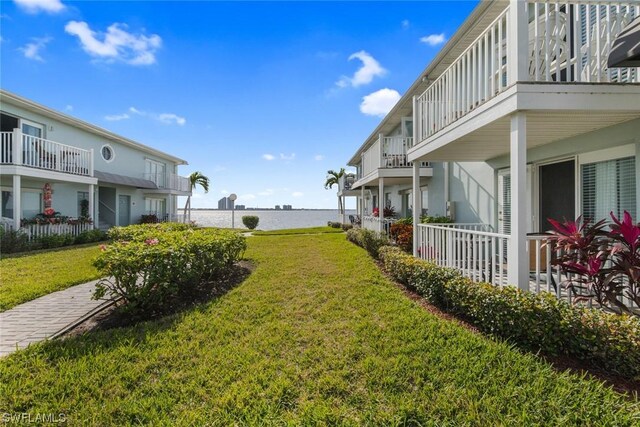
(388, 152)
(478, 255)
(26, 150)
(483, 256)
(169, 181)
(568, 41)
(374, 223)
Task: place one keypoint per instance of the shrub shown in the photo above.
(402, 234)
(55, 241)
(346, 227)
(532, 321)
(12, 241)
(149, 219)
(143, 231)
(250, 221)
(406, 221)
(334, 224)
(369, 240)
(147, 272)
(90, 236)
(426, 219)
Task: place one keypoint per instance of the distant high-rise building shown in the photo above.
(277, 207)
(225, 204)
(286, 207)
(240, 207)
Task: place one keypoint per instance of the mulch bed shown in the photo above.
(113, 317)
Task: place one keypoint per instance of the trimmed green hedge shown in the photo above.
(370, 240)
(148, 265)
(536, 322)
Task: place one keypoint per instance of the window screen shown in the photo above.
(609, 186)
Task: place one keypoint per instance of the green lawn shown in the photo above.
(316, 335)
(290, 231)
(30, 276)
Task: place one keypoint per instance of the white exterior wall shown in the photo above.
(127, 160)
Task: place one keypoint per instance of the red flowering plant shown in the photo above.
(602, 260)
(389, 212)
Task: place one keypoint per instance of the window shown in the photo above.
(155, 206)
(609, 186)
(7, 204)
(31, 204)
(107, 153)
(83, 204)
(155, 171)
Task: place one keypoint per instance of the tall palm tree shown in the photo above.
(333, 178)
(196, 178)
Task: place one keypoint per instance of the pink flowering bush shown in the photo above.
(601, 259)
(147, 266)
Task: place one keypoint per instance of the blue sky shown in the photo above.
(262, 97)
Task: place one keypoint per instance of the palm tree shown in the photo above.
(333, 178)
(196, 178)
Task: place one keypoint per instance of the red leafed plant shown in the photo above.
(402, 234)
(601, 259)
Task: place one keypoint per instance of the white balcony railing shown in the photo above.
(387, 152)
(36, 231)
(25, 150)
(568, 41)
(169, 181)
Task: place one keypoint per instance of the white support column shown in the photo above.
(344, 210)
(362, 206)
(517, 42)
(518, 262)
(92, 205)
(416, 121)
(381, 150)
(416, 204)
(91, 162)
(16, 148)
(17, 199)
(381, 205)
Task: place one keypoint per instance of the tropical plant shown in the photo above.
(333, 178)
(196, 178)
(603, 264)
(389, 212)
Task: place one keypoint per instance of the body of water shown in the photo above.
(269, 219)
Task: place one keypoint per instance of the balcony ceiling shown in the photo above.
(492, 140)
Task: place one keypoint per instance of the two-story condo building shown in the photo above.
(50, 160)
(521, 121)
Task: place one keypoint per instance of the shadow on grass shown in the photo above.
(114, 326)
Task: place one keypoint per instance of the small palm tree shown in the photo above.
(196, 178)
(333, 178)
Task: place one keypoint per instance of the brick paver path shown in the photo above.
(46, 316)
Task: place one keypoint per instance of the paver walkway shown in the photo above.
(46, 316)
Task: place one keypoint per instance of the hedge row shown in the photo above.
(537, 322)
(370, 240)
(13, 241)
(148, 265)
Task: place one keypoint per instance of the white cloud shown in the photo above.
(379, 103)
(170, 118)
(117, 117)
(166, 118)
(268, 157)
(318, 157)
(289, 157)
(117, 44)
(405, 24)
(297, 194)
(32, 50)
(35, 6)
(434, 39)
(365, 74)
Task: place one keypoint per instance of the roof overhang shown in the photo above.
(128, 181)
(12, 98)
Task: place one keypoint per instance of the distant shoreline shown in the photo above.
(260, 209)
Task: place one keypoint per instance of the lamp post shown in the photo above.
(233, 198)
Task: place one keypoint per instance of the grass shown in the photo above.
(316, 335)
(29, 276)
(291, 231)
